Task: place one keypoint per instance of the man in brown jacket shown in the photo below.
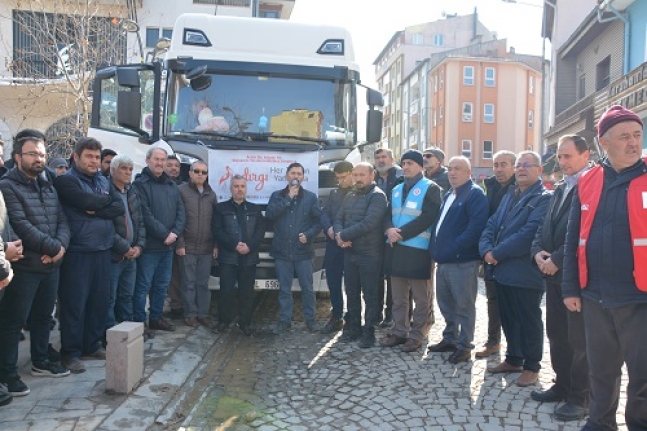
(196, 247)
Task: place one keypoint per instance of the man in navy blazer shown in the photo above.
(455, 248)
(505, 247)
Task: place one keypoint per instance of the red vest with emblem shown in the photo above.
(589, 191)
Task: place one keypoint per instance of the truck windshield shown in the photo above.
(265, 108)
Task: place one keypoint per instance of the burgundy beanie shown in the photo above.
(614, 115)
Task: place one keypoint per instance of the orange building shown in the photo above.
(479, 101)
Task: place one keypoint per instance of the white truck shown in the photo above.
(246, 95)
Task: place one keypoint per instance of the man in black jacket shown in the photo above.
(334, 258)
(84, 290)
(238, 228)
(6, 275)
(496, 187)
(565, 330)
(130, 240)
(358, 230)
(172, 167)
(164, 219)
(434, 169)
(388, 176)
(37, 218)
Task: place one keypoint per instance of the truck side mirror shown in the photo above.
(374, 98)
(373, 125)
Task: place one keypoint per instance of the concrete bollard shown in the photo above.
(124, 356)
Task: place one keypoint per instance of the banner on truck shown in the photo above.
(264, 170)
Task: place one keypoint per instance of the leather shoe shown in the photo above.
(443, 346)
(570, 412)
(489, 350)
(191, 321)
(527, 378)
(411, 345)
(392, 341)
(460, 355)
(504, 367)
(161, 325)
(547, 396)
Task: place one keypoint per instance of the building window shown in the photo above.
(269, 14)
(468, 75)
(154, 34)
(433, 118)
(488, 113)
(440, 114)
(442, 78)
(488, 149)
(531, 119)
(418, 39)
(435, 83)
(439, 40)
(466, 148)
(468, 112)
(603, 73)
(490, 74)
(531, 85)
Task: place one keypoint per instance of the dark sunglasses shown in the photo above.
(428, 156)
(198, 172)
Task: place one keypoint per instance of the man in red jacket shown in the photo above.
(605, 270)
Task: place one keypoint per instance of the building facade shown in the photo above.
(401, 55)
(599, 61)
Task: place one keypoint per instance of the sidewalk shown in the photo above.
(79, 402)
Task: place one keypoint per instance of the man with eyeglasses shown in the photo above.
(505, 248)
(565, 330)
(37, 218)
(334, 258)
(164, 219)
(196, 247)
(434, 169)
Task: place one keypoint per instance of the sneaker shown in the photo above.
(52, 354)
(334, 325)
(49, 369)
(98, 355)
(16, 387)
(312, 326)
(161, 325)
(75, 365)
(282, 326)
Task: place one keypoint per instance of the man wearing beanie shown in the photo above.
(434, 169)
(605, 270)
(414, 207)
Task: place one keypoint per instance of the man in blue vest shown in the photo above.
(605, 274)
(414, 207)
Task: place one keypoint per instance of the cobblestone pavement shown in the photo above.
(300, 381)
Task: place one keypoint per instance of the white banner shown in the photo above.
(264, 170)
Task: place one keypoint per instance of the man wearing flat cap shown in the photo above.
(415, 203)
(434, 169)
(605, 270)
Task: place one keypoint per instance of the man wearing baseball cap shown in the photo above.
(415, 203)
(605, 270)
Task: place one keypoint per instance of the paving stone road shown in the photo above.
(300, 381)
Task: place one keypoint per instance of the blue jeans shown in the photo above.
(154, 274)
(122, 287)
(334, 266)
(27, 291)
(456, 290)
(285, 270)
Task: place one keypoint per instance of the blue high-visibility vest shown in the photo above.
(412, 208)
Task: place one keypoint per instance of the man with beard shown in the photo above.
(172, 169)
(358, 231)
(388, 176)
(36, 216)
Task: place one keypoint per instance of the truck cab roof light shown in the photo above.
(195, 37)
(332, 47)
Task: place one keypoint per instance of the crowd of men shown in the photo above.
(397, 236)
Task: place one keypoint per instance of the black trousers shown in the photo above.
(245, 276)
(360, 278)
(614, 336)
(565, 331)
(493, 317)
(520, 310)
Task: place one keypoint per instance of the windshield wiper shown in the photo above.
(196, 135)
